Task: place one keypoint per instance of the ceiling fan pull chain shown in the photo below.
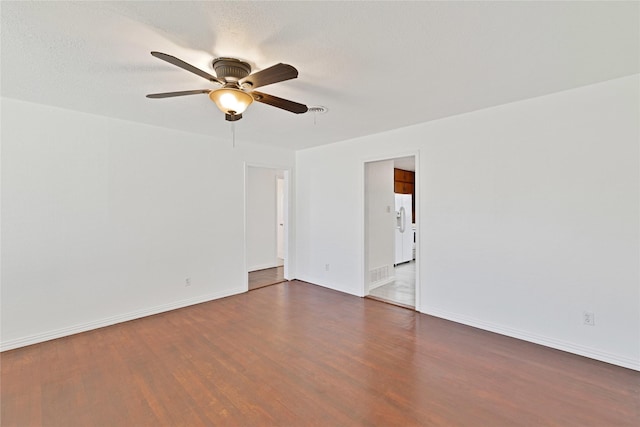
(233, 134)
(317, 109)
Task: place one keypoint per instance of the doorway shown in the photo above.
(391, 223)
(266, 226)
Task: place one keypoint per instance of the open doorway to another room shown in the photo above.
(265, 228)
(390, 230)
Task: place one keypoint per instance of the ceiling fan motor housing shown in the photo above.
(231, 69)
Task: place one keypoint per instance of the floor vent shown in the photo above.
(379, 274)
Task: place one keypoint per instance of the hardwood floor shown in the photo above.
(295, 354)
(266, 277)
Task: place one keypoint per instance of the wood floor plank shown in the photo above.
(266, 277)
(294, 354)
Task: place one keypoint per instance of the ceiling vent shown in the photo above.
(318, 109)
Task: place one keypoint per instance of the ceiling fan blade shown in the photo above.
(180, 63)
(170, 94)
(277, 73)
(274, 101)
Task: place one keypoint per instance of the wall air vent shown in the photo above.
(379, 274)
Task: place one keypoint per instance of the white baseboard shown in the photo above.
(319, 282)
(108, 321)
(372, 286)
(614, 359)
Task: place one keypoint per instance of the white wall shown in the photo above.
(261, 218)
(103, 219)
(529, 216)
(380, 222)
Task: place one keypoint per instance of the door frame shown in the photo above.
(287, 208)
(363, 208)
(280, 190)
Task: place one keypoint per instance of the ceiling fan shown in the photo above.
(237, 85)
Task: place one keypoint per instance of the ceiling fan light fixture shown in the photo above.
(231, 101)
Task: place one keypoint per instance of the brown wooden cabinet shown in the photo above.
(403, 187)
(404, 181)
(401, 175)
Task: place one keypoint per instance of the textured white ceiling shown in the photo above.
(375, 65)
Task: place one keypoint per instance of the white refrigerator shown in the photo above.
(404, 229)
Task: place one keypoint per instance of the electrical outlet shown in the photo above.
(589, 318)
(326, 267)
(187, 281)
